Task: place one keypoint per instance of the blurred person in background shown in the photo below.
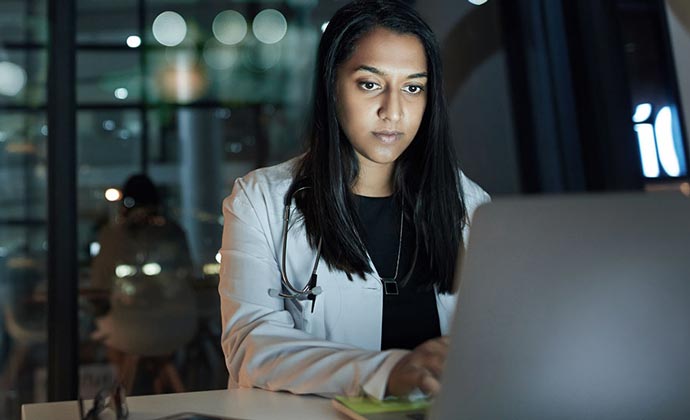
(140, 235)
(145, 266)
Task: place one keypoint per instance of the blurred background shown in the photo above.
(110, 226)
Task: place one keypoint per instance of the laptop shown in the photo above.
(573, 307)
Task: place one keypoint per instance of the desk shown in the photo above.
(254, 404)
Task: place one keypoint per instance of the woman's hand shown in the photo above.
(419, 369)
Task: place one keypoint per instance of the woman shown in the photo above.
(377, 210)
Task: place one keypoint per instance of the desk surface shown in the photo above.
(251, 404)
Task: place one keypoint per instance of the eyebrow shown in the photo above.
(374, 70)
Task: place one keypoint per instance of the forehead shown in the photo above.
(389, 51)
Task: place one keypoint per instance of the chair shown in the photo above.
(24, 318)
(25, 334)
(150, 319)
(153, 313)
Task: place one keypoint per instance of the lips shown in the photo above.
(388, 136)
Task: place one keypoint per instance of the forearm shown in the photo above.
(268, 353)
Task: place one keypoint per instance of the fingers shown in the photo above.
(431, 355)
(431, 360)
(413, 377)
(422, 368)
(434, 364)
(429, 384)
(435, 345)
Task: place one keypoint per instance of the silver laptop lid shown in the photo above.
(573, 307)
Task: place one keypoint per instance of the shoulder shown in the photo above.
(473, 194)
(276, 177)
(279, 175)
(267, 185)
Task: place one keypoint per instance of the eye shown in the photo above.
(369, 86)
(414, 89)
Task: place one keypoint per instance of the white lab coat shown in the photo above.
(278, 344)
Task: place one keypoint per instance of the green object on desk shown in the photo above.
(365, 405)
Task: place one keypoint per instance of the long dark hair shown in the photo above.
(426, 175)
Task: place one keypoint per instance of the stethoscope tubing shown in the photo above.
(291, 291)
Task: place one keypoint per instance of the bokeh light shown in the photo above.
(219, 56)
(109, 125)
(125, 270)
(94, 248)
(183, 80)
(169, 28)
(269, 26)
(133, 41)
(229, 27)
(12, 78)
(121, 93)
(113, 194)
(263, 57)
(151, 269)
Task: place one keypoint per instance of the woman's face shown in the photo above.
(381, 95)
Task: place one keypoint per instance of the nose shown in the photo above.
(391, 107)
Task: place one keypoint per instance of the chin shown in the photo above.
(383, 160)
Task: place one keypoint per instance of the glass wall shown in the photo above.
(190, 94)
(23, 203)
(175, 99)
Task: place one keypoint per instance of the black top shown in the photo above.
(411, 317)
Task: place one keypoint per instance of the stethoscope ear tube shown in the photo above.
(310, 290)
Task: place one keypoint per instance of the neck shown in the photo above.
(374, 180)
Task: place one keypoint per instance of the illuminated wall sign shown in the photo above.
(660, 142)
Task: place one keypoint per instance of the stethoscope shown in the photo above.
(310, 290)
